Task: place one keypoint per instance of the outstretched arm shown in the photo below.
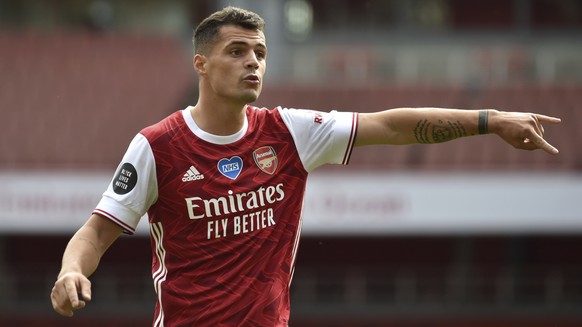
(80, 260)
(436, 125)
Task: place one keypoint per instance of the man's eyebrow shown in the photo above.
(245, 43)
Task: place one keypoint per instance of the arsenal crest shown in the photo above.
(266, 159)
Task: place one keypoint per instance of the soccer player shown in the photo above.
(222, 183)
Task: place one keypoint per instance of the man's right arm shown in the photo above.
(80, 260)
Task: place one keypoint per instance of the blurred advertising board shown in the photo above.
(351, 203)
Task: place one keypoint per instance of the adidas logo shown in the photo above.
(192, 175)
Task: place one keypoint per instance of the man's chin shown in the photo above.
(251, 97)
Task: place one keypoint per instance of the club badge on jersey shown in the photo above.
(266, 159)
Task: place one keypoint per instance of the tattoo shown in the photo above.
(421, 131)
(458, 129)
(483, 121)
(427, 133)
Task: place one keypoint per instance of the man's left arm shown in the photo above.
(437, 125)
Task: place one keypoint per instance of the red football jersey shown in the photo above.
(225, 211)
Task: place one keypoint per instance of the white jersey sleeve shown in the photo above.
(133, 188)
(321, 137)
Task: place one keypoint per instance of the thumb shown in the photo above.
(85, 290)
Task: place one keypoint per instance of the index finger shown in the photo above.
(72, 294)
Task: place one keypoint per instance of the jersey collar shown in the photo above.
(216, 139)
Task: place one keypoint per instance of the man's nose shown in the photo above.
(252, 61)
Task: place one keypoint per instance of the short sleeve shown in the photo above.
(321, 137)
(133, 188)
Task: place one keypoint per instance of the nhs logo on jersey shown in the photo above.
(230, 168)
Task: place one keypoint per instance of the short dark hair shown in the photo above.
(206, 34)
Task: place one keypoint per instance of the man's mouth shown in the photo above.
(254, 79)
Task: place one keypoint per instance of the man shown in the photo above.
(223, 182)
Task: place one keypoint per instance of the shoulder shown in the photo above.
(284, 114)
(164, 127)
(262, 112)
(263, 117)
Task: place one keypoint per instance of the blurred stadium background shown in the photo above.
(468, 233)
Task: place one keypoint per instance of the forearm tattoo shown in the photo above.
(427, 132)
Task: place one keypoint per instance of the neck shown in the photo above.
(219, 119)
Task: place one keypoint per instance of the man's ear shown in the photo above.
(199, 61)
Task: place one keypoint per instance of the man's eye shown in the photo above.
(235, 52)
(260, 55)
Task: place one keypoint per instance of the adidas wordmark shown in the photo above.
(192, 175)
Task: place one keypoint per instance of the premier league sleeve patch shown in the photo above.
(125, 179)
